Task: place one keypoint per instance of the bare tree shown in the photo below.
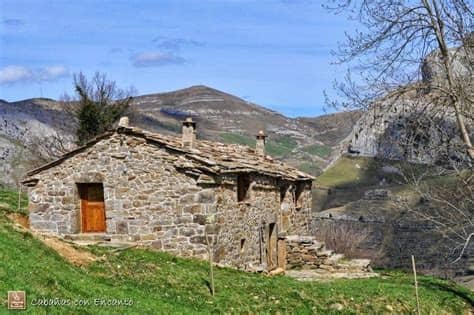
(99, 103)
(444, 198)
(396, 37)
(419, 54)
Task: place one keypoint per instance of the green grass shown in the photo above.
(159, 283)
(278, 146)
(320, 150)
(236, 138)
(9, 201)
(350, 171)
(310, 168)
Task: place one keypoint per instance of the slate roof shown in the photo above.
(205, 157)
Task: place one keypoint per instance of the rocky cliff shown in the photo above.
(417, 126)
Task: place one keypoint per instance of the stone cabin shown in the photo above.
(174, 194)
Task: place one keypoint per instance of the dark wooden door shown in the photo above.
(92, 207)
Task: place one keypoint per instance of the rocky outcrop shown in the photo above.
(432, 66)
(23, 127)
(402, 130)
(414, 126)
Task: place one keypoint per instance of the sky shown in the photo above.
(273, 53)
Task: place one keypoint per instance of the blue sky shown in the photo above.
(273, 53)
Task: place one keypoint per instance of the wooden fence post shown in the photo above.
(210, 253)
(416, 285)
(19, 197)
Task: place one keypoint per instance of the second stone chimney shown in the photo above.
(260, 147)
(189, 133)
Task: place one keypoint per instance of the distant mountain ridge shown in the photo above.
(307, 143)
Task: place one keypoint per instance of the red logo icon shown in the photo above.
(16, 300)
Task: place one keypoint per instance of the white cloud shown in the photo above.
(13, 22)
(19, 74)
(155, 59)
(175, 44)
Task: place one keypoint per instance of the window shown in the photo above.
(242, 245)
(298, 194)
(283, 190)
(243, 185)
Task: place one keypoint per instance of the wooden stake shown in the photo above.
(19, 197)
(209, 250)
(416, 285)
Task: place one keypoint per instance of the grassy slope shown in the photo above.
(276, 147)
(350, 172)
(319, 150)
(160, 283)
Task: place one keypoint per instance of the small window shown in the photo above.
(243, 185)
(298, 194)
(242, 245)
(283, 190)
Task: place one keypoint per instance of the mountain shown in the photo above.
(307, 143)
(23, 125)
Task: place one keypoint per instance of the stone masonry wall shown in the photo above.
(148, 199)
(391, 244)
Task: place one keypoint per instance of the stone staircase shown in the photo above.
(308, 258)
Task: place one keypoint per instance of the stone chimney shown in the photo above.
(123, 122)
(189, 133)
(260, 147)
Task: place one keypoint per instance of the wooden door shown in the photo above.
(92, 207)
(272, 255)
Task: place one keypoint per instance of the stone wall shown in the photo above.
(148, 199)
(390, 244)
(305, 252)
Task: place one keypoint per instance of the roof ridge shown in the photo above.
(221, 157)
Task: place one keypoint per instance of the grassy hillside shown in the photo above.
(355, 172)
(348, 171)
(320, 150)
(279, 146)
(160, 283)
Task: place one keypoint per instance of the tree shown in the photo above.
(444, 198)
(99, 105)
(396, 37)
(419, 53)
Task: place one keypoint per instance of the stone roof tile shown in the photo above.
(207, 156)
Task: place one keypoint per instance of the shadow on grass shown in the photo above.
(463, 293)
(207, 284)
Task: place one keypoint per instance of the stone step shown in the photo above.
(95, 237)
(334, 259)
(300, 239)
(318, 246)
(325, 252)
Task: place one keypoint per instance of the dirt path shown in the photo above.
(66, 250)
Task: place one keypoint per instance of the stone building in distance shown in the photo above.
(171, 193)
